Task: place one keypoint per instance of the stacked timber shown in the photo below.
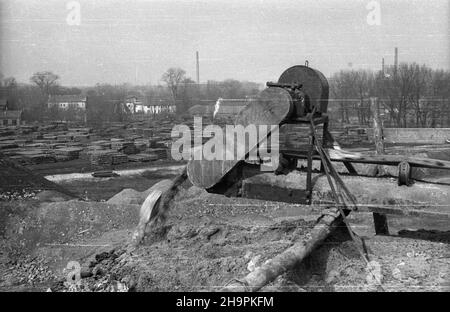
(67, 153)
(64, 137)
(37, 156)
(34, 151)
(142, 144)
(126, 147)
(142, 157)
(80, 130)
(129, 149)
(117, 144)
(6, 132)
(59, 157)
(35, 145)
(10, 152)
(50, 137)
(101, 144)
(101, 157)
(153, 141)
(75, 144)
(21, 160)
(163, 144)
(21, 142)
(147, 132)
(135, 137)
(81, 137)
(42, 158)
(161, 153)
(37, 136)
(7, 145)
(118, 158)
(93, 148)
(27, 129)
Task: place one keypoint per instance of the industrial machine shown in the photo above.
(299, 97)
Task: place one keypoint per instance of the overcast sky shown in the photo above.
(136, 41)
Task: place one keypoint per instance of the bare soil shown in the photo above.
(208, 241)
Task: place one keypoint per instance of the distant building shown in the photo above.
(158, 106)
(155, 106)
(229, 107)
(67, 101)
(134, 104)
(10, 117)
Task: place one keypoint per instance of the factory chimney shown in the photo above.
(198, 68)
(396, 61)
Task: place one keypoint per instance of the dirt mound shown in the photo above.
(209, 252)
(132, 197)
(161, 184)
(126, 197)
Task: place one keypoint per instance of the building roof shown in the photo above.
(234, 102)
(134, 96)
(160, 102)
(10, 114)
(67, 98)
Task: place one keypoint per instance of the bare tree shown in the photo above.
(46, 81)
(188, 92)
(440, 93)
(342, 88)
(10, 82)
(173, 77)
(422, 108)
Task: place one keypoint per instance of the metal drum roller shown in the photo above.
(314, 86)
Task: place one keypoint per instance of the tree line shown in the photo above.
(410, 95)
(105, 101)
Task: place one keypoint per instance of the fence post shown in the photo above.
(380, 220)
(377, 127)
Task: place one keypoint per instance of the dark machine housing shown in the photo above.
(308, 89)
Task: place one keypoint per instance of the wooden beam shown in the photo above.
(389, 160)
(285, 261)
(441, 212)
